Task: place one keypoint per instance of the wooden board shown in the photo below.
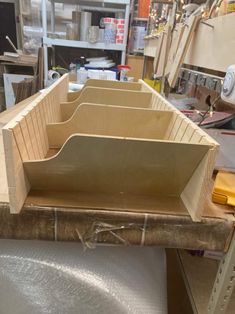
(187, 36)
(111, 121)
(151, 46)
(212, 48)
(106, 84)
(137, 65)
(25, 138)
(175, 41)
(115, 165)
(116, 97)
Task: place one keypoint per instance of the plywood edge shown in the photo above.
(114, 84)
(18, 184)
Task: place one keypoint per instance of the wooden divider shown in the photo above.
(107, 96)
(106, 84)
(113, 166)
(111, 121)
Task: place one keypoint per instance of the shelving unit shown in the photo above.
(199, 274)
(98, 5)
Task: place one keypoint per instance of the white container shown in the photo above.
(139, 33)
(85, 23)
(99, 74)
(110, 33)
(82, 75)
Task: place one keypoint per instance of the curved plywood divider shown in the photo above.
(106, 84)
(115, 97)
(115, 167)
(111, 121)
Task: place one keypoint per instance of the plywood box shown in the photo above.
(121, 149)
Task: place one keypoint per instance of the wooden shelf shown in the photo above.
(82, 44)
(213, 47)
(199, 274)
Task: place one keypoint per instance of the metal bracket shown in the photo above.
(224, 282)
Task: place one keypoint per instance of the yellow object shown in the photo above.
(224, 188)
(155, 84)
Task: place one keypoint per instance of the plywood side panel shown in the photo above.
(111, 121)
(18, 184)
(25, 139)
(157, 98)
(116, 165)
(107, 96)
(200, 186)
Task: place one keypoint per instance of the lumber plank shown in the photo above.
(176, 38)
(187, 36)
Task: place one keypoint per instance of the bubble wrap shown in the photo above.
(62, 278)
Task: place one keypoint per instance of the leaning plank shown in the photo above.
(115, 97)
(111, 121)
(176, 38)
(187, 36)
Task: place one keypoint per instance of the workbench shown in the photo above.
(173, 229)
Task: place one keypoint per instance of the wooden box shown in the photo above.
(124, 149)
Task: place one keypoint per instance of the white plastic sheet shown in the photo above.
(51, 277)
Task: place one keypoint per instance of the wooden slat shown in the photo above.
(18, 185)
(176, 38)
(23, 140)
(20, 142)
(182, 49)
(27, 138)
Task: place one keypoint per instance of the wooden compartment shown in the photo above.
(106, 84)
(108, 156)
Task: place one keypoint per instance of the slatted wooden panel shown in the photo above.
(25, 138)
